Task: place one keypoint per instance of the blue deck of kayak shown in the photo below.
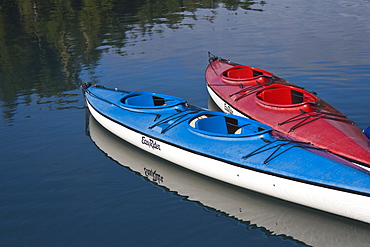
(255, 149)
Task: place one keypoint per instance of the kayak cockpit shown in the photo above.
(240, 73)
(143, 100)
(150, 100)
(285, 96)
(222, 125)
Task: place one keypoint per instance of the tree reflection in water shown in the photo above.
(45, 45)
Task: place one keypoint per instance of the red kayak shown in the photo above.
(260, 95)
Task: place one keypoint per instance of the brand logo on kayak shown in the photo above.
(150, 143)
(153, 175)
(228, 108)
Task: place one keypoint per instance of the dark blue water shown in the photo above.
(63, 186)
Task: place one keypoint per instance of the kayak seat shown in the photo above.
(297, 97)
(281, 96)
(241, 73)
(158, 101)
(140, 100)
(145, 100)
(218, 124)
(212, 124)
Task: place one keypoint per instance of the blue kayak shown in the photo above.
(274, 217)
(233, 149)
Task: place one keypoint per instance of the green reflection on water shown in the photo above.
(45, 45)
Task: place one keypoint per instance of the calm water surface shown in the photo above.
(64, 186)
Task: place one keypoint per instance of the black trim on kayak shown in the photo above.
(303, 120)
(272, 145)
(250, 90)
(247, 116)
(178, 118)
(233, 163)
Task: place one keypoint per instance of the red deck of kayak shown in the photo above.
(260, 95)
